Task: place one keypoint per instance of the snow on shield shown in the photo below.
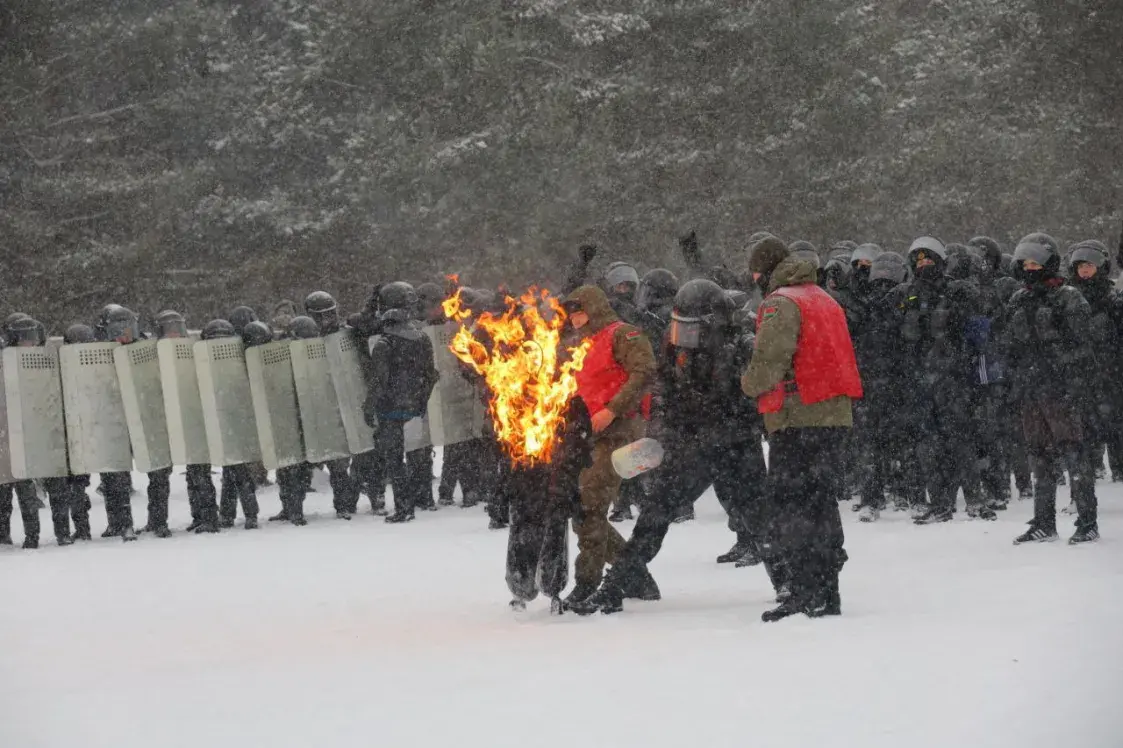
(456, 412)
(36, 438)
(324, 436)
(224, 387)
(97, 432)
(138, 371)
(274, 404)
(183, 407)
(351, 389)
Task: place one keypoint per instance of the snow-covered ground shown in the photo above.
(366, 634)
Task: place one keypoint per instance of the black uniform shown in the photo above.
(1053, 370)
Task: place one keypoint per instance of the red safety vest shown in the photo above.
(602, 376)
(824, 362)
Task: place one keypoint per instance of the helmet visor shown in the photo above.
(685, 332)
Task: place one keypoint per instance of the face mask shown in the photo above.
(928, 272)
(860, 274)
(1034, 278)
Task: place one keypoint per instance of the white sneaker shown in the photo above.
(869, 514)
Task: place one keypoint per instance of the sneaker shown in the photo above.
(399, 517)
(869, 514)
(981, 512)
(1036, 535)
(750, 557)
(934, 516)
(1087, 535)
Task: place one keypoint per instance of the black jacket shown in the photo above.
(402, 371)
(1050, 352)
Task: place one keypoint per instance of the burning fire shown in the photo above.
(528, 388)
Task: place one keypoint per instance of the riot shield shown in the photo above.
(417, 434)
(324, 435)
(97, 432)
(138, 371)
(5, 448)
(224, 388)
(183, 407)
(36, 426)
(351, 389)
(274, 404)
(456, 412)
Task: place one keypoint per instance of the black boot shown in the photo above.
(162, 532)
(65, 540)
(399, 517)
(789, 607)
(739, 548)
(206, 527)
(111, 532)
(608, 599)
(751, 557)
(251, 523)
(282, 516)
(580, 592)
(30, 543)
(934, 516)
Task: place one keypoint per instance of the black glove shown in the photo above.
(587, 252)
(688, 245)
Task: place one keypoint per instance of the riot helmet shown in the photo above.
(26, 332)
(864, 255)
(121, 325)
(397, 295)
(964, 264)
(656, 287)
(621, 274)
(805, 251)
(1092, 252)
(103, 321)
(170, 324)
(7, 326)
(302, 328)
(218, 328)
(321, 307)
(700, 306)
(889, 269)
(989, 250)
(1042, 250)
(737, 297)
(840, 248)
(429, 299)
(257, 333)
(928, 258)
(836, 273)
(79, 334)
(241, 316)
(283, 312)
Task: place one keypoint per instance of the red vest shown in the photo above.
(602, 376)
(824, 362)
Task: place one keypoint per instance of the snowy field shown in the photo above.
(366, 634)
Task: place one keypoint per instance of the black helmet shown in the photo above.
(865, 252)
(737, 297)
(964, 264)
(26, 332)
(656, 287)
(889, 266)
(1040, 248)
(241, 316)
(218, 328)
(699, 304)
(79, 334)
(836, 273)
(7, 326)
(1007, 263)
(257, 333)
(928, 246)
(620, 272)
(170, 324)
(397, 295)
(103, 320)
(303, 328)
(805, 251)
(988, 249)
(121, 323)
(430, 293)
(321, 307)
(1093, 252)
(844, 247)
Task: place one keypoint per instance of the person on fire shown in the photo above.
(614, 383)
(713, 437)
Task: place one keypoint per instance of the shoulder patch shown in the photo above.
(632, 334)
(767, 312)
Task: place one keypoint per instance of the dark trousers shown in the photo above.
(201, 495)
(367, 479)
(116, 488)
(344, 489)
(461, 465)
(237, 484)
(77, 485)
(537, 545)
(953, 461)
(61, 499)
(737, 473)
(490, 461)
(388, 463)
(159, 492)
(292, 484)
(419, 466)
(24, 492)
(1055, 437)
(804, 529)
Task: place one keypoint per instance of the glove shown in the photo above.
(587, 252)
(688, 245)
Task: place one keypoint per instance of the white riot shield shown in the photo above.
(274, 404)
(417, 434)
(138, 371)
(36, 442)
(324, 435)
(224, 388)
(183, 406)
(350, 388)
(5, 448)
(97, 432)
(456, 412)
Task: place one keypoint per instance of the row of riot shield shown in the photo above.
(105, 407)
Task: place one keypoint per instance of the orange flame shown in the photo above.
(529, 387)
